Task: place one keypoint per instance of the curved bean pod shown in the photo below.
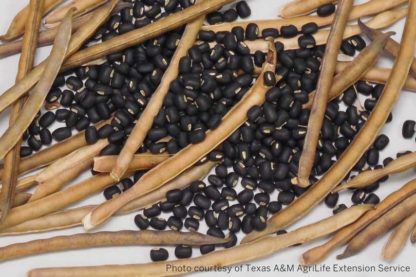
(379, 227)
(318, 254)
(320, 100)
(369, 177)
(11, 160)
(102, 239)
(392, 47)
(238, 254)
(297, 8)
(398, 238)
(105, 164)
(380, 75)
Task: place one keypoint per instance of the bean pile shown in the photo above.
(263, 155)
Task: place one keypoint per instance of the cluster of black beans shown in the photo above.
(120, 87)
(265, 151)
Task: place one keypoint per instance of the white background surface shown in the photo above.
(262, 9)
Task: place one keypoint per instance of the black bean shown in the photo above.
(228, 194)
(220, 205)
(116, 137)
(286, 197)
(364, 87)
(152, 211)
(250, 208)
(408, 129)
(196, 212)
(259, 223)
(105, 131)
(47, 119)
(288, 31)
(339, 208)
(372, 199)
(347, 48)
(281, 172)
(34, 143)
(45, 136)
(191, 224)
(358, 42)
(245, 196)
(285, 59)
(158, 223)
(183, 251)
(341, 143)
(246, 224)
(243, 9)
(159, 254)
(306, 41)
(215, 18)
(236, 210)
(126, 184)
(141, 222)
(270, 33)
(187, 196)
(369, 104)
(222, 221)
(153, 11)
(202, 201)
(358, 196)
(166, 206)
(111, 149)
(111, 192)
(372, 157)
(174, 196)
(262, 198)
(205, 249)
(205, 36)
(74, 83)
(196, 136)
(230, 15)
(82, 123)
(53, 95)
(252, 31)
(61, 133)
(61, 114)
(269, 78)
(91, 135)
(347, 130)
(326, 10)
(274, 207)
(210, 218)
(215, 180)
(25, 151)
(373, 187)
(331, 199)
(309, 28)
(179, 211)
